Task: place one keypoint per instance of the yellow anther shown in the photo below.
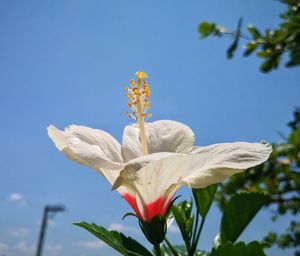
(141, 75)
(132, 82)
(139, 102)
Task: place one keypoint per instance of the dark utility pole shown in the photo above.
(49, 209)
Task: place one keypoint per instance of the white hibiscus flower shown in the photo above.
(155, 159)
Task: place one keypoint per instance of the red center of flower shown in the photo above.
(158, 207)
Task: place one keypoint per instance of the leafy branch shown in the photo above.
(269, 45)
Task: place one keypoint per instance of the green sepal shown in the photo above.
(130, 214)
(155, 230)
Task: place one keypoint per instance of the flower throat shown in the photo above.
(139, 103)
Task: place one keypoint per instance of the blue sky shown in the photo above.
(68, 62)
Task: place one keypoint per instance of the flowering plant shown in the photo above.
(153, 162)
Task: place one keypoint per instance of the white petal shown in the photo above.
(94, 148)
(131, 145)
(162, 136)
(202, 167)
(133, 167)
(223, 160)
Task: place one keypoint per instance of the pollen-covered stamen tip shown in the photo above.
(139, 103)
(141, 75)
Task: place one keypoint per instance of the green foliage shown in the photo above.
(182, 251)
(232, 48)
(270, 45)
(204, 198)
(279, 177)
(289, 239)
(254, 32)
(238, 213)
(206, 29)
(185, 219)
(236, 216)
(229, 249)
(121, 243)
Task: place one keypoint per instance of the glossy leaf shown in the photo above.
(267, 66)
(251, 47)
(229, 249)
(238, 213)
(217, 241)
(184, 219)
(254, 32)
(206, 29)
(121, 243)
(204, 198)
(294, 137)
(294, 58)
(236, 40)
(273, 45)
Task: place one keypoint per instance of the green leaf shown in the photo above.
(294, 137)
(206, 29)
(217, 241)
(251, 47)
(238, 213)
(229, 249)
(294, 58)
(202, 253)
(204, 198)
(121, 243)
(266, 66)
(232, 48)
(254, 32)
(265, 53)
(184, 219)
(235, 42)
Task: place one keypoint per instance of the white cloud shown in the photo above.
(53, 250)
(19, 232)
(92, 244)
(173, 229)
(122, 228)
(17, 198)
(24, 248)
(3, 248)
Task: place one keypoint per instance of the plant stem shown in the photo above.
(195, 228)
(173, 250)
(157, 250)
(195, 242)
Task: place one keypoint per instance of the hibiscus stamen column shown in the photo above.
(138, 102)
